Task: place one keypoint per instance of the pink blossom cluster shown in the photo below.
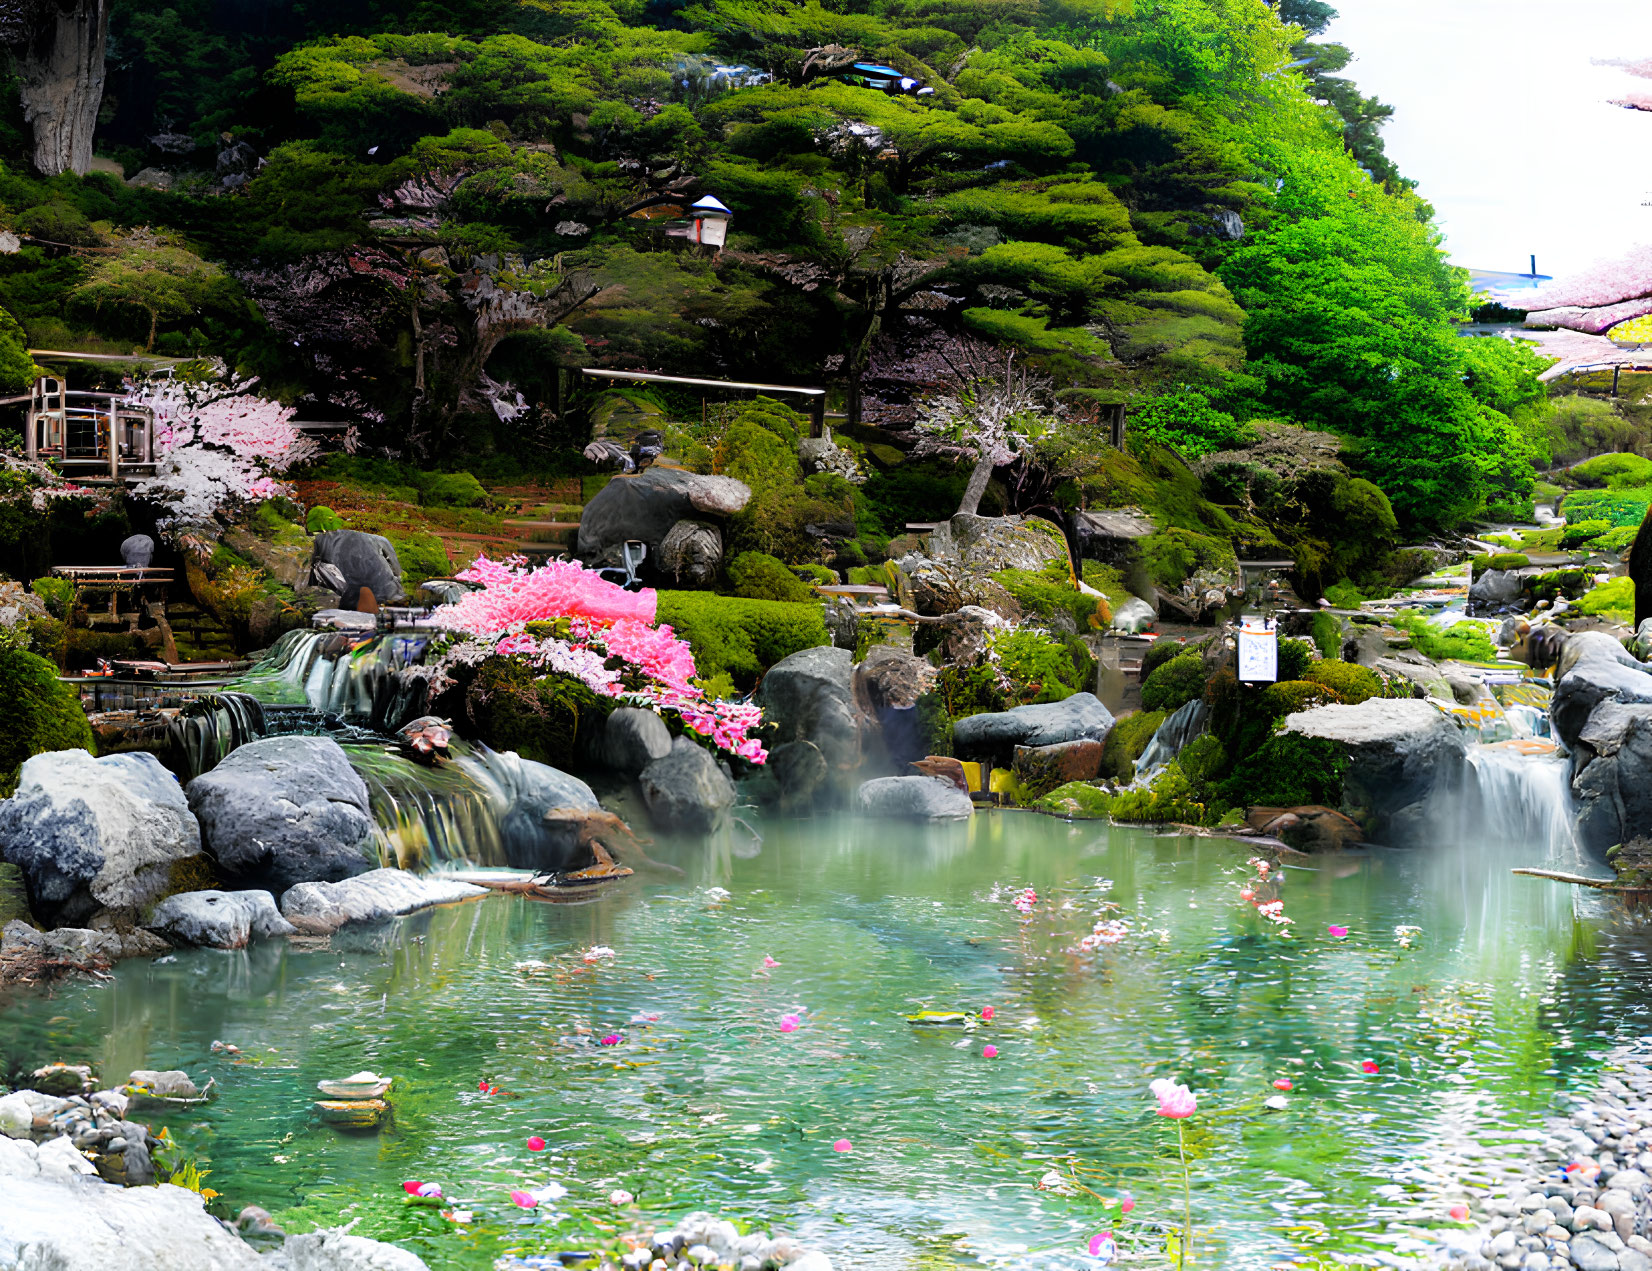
(1025, 901)
(1110, 931)
(610, 644)
(559, 589)
(1274, 912)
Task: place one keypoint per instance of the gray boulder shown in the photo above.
(647, 505)
(542, 812)
(22, 945)
(995, 736)
(338, 1250)
(913, 799)
(1400, 751)
(686, 790)
(91, 834)
(219, 919)
(285, 810)
(690, 552)
(809, 696)
(800, 773)
(633, 738)
(137, 551)
(361, 560)
(1611, 760)
(987, 544)
(1594, 668)
(1496, 587)
(376, 896)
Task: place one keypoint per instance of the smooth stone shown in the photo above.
(354, 559)
(995, 735)
(913, 799)
(219, 919)
(137, 551)
(809, 696)
(376, 896)
(1589, 1254)
(634, 738)
(686, 791)
(647, 505)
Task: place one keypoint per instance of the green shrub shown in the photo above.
(822, 574)
(421, 555)
(1174, 555)
(1464, 641)
(42, 712)
(57, 593)
(1040, 668)
(1615, 540)
(1581, 532)
(321, 519)
(1344, 595)
(1351, 683)
(1289, 696)
(1169, 797)
(1289, 771)
(1327, 635)
(1051, 597)
(1570, 583)
(1160, 652)
(757, 576)
(540, 718)
(1612, 599)
(451, 490)
(1295, 657)
(741, 637)
(1615, 471)
(1126, 741)
(1077, 800)
(1617, 507)
(1509, 560)
(1175, 683)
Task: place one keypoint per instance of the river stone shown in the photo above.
(77, 947)
(285, 810)
(1611, 789)
(808, 696)
(913, 799)
(339, 1251)
(1042, 768)
(647, 505)
(634, 738)
(690, 552)
(219, 919)
(995, 736)
(540, 825)
(1399, 749)
(1589, 1254)
(686, 790)
(93, 834)
(1594, 668)
(376, 896)
(800, 770)
(137, 551)
(362, 560)
(1496, 587)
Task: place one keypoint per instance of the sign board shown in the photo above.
(1258, 655)
(712, 231)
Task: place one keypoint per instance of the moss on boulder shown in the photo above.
(1077, 801)
(42, 712)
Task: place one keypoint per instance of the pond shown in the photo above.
(1502, 1001)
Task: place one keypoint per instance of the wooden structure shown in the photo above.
(816, 396)
(93, 437)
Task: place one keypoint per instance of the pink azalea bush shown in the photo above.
(605, 638)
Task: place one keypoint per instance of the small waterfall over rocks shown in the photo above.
(1517, 804)
(1182, 726)
(336, 673)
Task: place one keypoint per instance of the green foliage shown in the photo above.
(1295, 657)
(1580, 425)
(1077, 801)
(1612, 599)
(541, 718)
(1351, 683)
(322, 519)
(761, 577)
(1327, 635)
(1287, 697)
(43, 713)
(1614, 471)
(1465, 641)
(1615, 540)
(1187, 423)
(1169, 797)
(739, 637)
(57, 593)
(1177, 682)
(1344, 595)
(451, 490)
(1501, 561)
(1577, 533)
(1041, 668)
(1571, 583)
(1159, 652)
(1616, 507)
(1289, 771)
(1051, 597)
(1126, 742)
(1175, 554)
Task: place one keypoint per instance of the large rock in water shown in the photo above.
(285, 810)
(647, 505)
(91, 834)
(913, 799)
(1594, 668)
(544, 809)
(361, 560)
(995, 736)
(376, 896)
(633, 738)
(809, 696)
(686, 790)
(1400, 751)
(1612, 775)
(219, 919)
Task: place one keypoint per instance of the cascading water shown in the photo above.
(1520, 803)
(340, 674)
(1183, 725)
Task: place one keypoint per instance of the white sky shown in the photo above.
(1505, 124)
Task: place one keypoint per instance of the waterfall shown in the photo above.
(336, 673)
(1186, 723)
(1519, 805)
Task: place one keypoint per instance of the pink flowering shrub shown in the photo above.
(1607, 283)
(604, 637)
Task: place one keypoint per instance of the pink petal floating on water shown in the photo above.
(535, 1143)
(523, 1199)
(1175, 1100)
(1368, 1067)
(411, 1186)
(1459, 1212)
(769, 962)
(1101, 1245)
(1127, 1204)
(842, 1145)
(613, 1039)
(1337, 933)
(789, 1023)
(989, 1052)
(987, 1013)
(1282, 1083)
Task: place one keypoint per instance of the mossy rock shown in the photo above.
(1351, 683)
(14, 896)
(42, 712)
(739, 637)
(1127, 740)
(322, 519)
(1175, 683)
(451, 490)
(1077, 801)
(758, 576)
(541, 718)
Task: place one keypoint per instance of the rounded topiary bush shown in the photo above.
(1295, 657)
(1175, 683)
(1289, 696)
(321, 519)
(451, 490)
(1350, 682)
(1583, 532)
(42, 712)
(1160, 652)
(758, 576)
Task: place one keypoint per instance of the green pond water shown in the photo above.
(1505, 1000)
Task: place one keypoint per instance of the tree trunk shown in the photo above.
(61, 74)
(971, 503)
